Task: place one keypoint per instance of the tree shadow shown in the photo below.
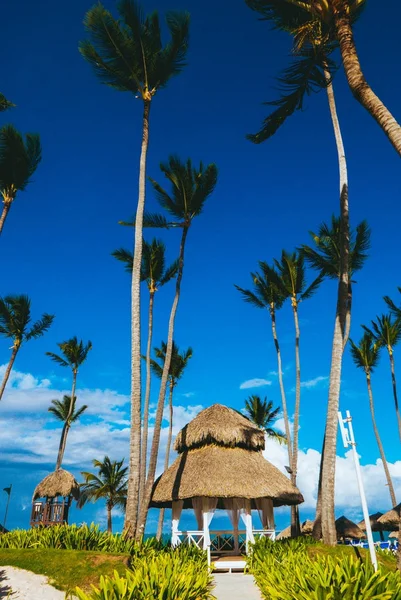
(5, 590)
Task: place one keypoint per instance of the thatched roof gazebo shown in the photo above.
(306, 529)
(347, 529)
(390, 521)
(374, 524)
(220, 465)
(57, 491)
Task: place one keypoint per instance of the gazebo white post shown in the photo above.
(206, 536)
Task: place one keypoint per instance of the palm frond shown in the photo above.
(4, 103)
(58, 359)
(395, 310)
(170, 272)
(173, 56)
(308, 293)
(250, 297)
(40, 327)
(125, 256)
(18, 158)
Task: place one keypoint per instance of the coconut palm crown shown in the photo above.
(127, 54)
(262, 414)
(74, 353)
(365, 354)
(386, 331)
(61, 408)
(265, 293)
(179, 361)
(4, 103)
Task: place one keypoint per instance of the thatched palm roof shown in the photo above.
(213, 471)
(60, 483)
(391, 519)
(221, 426)
(374, 524)
(394, 534)
(348, 529)
(306, 529)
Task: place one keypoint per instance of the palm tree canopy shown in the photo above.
(19, 159)
(74, 353)
(178, 364)
(4, 103)
(190, 188)
(127, 54)
(386, 331)
(265, 293)
(289, 276)
(262, 414)
(365, 354)
(15, 317)
(153, 268)
(109, 483)
(60, 409)
(395, 310)
(325, 257)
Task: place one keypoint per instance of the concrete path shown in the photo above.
(235, 586)
(17, 584)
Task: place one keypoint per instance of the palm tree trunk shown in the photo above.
(109, 521)
(66, 428)
(167, 457)
(294, 512)
(348, 317)
(379, 442)
(327, 484)
(131, 513)
(4, 213)
(8, 370)
(61, 446)
(356, 80)
(144, 452)
(394, 382)
(162, 394)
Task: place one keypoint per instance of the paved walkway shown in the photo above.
(235, 586)
(24, 585)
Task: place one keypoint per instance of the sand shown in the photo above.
(17, 584)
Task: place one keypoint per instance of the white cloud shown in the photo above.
(254, 383)
(188, 394)
(311, 383)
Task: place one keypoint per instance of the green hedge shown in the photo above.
(171, 575)
(285, 571)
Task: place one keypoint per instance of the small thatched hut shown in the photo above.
(374, 522)
(57, 491)
(347, 529)
(394, 534)
(220, 465)
(306, 529)
(390, 521)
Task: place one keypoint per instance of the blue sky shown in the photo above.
(60, 232)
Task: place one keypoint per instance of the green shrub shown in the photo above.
(285, 571)
(171, 575)
(73, 537)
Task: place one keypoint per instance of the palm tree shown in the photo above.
(128, 55)
(395, 310)
(190, 188)
(267, 296)
(4, 103)
(156, 275)
(74, 353)
(263, 415)
(19, 159)
(366, 357)
(178, 364)
(326, 258)
(15, 318)
(386, 332)
(61, 410)
(110, 483)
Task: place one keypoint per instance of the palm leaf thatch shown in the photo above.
(374, 524)
(394, 534)
(220, 426)
(214, 471)
(60, 483)
(306, 529)
(391, 519)
(348, 529)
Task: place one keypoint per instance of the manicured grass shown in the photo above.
(385, 560)
(66, 569)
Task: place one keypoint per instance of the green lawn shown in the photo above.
(385, 560)
(66, 569)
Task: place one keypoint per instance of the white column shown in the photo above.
(176, 510)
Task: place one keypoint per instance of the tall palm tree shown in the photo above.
(386, 332)
(19, 159)
(127, 54)
(156, 275)
(263, 415)
(265, 295)
(109, 483)
(178, 364)
(4, 103)
(190, 188)
(366, 356)
(73, 354)
(61, 410)
(325, 257)
(311, 71)
(15, 318)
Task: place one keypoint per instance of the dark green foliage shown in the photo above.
(325, 257)
(386, 331)
(110, 483)
(395, 310)
(19, 159)
(366, 353)
(153, 268)
(265, 294)
(179, 361)
(74, 353)
(4, 103)
(289, 276)
(15, 317)
(60, 409)
(127, 53)
(263, 415)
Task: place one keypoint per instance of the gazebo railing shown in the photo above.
(223, 540)
(49, 513)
